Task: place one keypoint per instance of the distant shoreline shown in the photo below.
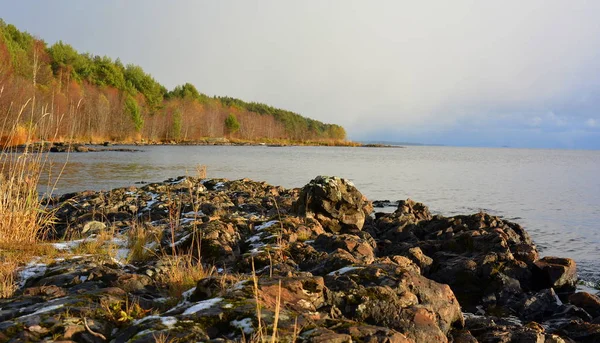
(115, 146)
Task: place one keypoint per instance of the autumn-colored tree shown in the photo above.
(86, 97)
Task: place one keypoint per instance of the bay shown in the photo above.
(554, 194)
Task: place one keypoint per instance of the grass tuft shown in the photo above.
(181, 273)
(8, 278)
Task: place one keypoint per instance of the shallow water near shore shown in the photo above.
(554, 194)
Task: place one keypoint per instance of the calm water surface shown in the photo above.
(554, 194)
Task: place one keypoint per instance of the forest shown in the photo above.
(57, 93)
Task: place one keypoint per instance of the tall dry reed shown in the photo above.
(23, 217)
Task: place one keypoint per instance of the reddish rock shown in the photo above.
(556, 272)
(587, 301)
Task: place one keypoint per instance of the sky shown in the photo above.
(465, 73)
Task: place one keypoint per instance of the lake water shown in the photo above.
(554, 194)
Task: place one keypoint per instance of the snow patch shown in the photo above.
(181, 240)
(187, 294)
(202, 305)
(245, 325)
(239, 285)
(168, 321)
(45, 309)
(265, 225)
(69, 245)
(122, 254)
(344, 270)
(30, 271)
(253, 239)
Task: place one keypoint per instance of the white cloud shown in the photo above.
(591, 122)
(536, 121)
(555, 119)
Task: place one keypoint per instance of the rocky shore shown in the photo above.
(315, 264)
(63, 147)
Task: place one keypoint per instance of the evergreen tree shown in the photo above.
(231, 124)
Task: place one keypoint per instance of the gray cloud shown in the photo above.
(399, 70)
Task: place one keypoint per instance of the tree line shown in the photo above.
(80, 96)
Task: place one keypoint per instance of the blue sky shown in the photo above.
(469, 73)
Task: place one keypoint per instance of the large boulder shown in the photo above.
(556, 272)
(394, 295)
(335, 203)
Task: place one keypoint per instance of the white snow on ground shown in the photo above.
(122, 254)
(186, 220)
(178, 181)
(265, 225)
(168, 321)
(202, 305)
(31, 270)
(344, 270)
(182, 239)
(150, 202)
(245, 325)
(68, 245)
(47, 309)
(187, 294)
(122, 251)
(254, 238)
(44, 310)
(145, 319)
(192, 214)
(239, 285)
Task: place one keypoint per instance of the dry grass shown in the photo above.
(102, 244)
(261, 334)
(201, 171)
(138, 239)
(8, 278)
(24, 219)
(162, 338)
(181, 273)
(11, 258)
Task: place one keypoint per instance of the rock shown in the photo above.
(423, 261)
(329, 269)
(335, 203)
(415, 210)
(493, 329)
(361, 249)
(558, 273)
(540, 305)
(391, 296)
(323, 335)
(93, 227)
(297, 293)
(485, 260)
(580, 331)
(589, 302)
(372, 334)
